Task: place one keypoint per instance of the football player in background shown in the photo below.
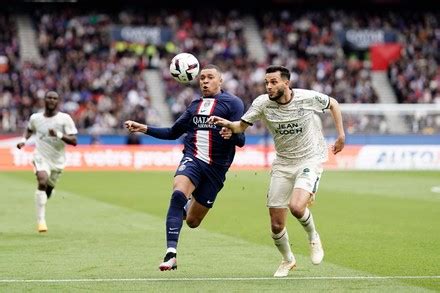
(289, 114)
(207, 155)
(52, 130)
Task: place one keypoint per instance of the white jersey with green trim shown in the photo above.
(49, 147)
(296, 132)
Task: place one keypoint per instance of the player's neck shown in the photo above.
(286, 98)
(213, 95)
(50, 113)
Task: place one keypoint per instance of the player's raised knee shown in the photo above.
(277, 227)
(297, 210)
(192, 222)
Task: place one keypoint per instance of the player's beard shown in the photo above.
(51, 108)
(277, 96)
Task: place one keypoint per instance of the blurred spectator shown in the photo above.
(102, 84)
(133, 139)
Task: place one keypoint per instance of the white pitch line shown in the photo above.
(216, 279)
(435, 189)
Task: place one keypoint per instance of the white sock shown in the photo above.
(40, 204)
(171, 249)
(309, 225)
(281, 241)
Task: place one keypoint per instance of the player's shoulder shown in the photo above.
(311, 98)
(37, 116)
(228, 96)
(231, 98)
(261, 100)
(306, 94)
(63, 115)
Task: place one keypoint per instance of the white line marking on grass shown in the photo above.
(216, 279)
(435, 189)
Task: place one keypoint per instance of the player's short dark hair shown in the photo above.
(52, 93)
(284, 72)
(212, 66)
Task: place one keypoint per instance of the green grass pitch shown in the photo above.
(380, 231)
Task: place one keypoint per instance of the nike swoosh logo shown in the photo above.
(172, 229)
(209, 202)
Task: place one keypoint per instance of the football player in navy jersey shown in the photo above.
(208, 152)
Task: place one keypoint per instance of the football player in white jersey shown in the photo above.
(289, 114)
(52, 130)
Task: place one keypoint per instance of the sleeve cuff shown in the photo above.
(247, 122)
(328, 104)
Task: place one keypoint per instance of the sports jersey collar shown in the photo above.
(44, 114)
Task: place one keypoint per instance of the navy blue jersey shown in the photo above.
(203, 141)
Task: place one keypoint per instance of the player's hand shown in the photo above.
(226, 133)
(339, 145)
(218, 121)
(55, 133)
(52, 132)
(134, 126)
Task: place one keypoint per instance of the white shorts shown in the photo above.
(284, 178)
(41, 164)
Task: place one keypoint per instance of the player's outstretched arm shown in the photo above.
(235, 126)
(134, 126)
(337, 118)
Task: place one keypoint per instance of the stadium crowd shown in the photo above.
(307, 43)
(102, 83)
(9, 57)
(416, 75)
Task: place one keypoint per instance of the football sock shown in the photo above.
(281, 241)
(40, 204)
(175, 218)
(172, 250)
(309, 225)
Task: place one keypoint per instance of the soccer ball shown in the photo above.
(184, 67)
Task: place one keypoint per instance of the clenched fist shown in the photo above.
(134, 126)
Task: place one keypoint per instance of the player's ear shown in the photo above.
(220, 76)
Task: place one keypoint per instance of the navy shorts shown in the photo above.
(207, 179)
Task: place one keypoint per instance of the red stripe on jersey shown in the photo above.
(195, 134)
(210, 132)
(213, 107)
(210, 144)
(195, 144)
(199, 106)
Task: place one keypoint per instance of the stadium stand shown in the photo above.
(102, 81)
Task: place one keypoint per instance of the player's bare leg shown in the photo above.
(41, 200)
(281, 241)
(196, 214)
(298, 207)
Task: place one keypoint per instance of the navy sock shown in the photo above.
(175, 218)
